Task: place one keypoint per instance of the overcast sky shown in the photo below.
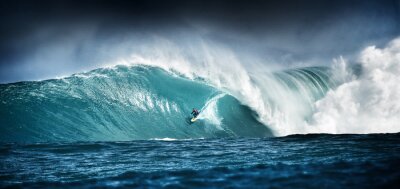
(46, 39)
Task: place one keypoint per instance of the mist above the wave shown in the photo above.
(62, 38)
(369, 103)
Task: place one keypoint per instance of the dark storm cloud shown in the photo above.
(281, 30)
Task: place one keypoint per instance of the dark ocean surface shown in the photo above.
(297, 161)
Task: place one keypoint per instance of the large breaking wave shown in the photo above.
(152, 99)
(132, 102)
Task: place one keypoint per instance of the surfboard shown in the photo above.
(193, 119)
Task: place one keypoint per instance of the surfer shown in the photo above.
(195, 113)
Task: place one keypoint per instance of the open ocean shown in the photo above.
(297, 161)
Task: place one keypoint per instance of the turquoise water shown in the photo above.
(135, 103)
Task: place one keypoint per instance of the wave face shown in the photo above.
(121, 103)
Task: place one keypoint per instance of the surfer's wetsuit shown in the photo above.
(195, 113)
